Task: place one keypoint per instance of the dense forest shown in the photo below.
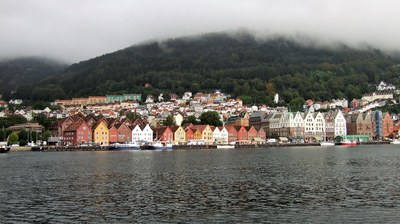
(241, 65)
(25, 72)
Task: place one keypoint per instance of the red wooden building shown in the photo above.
(163, 134)
(77, 134)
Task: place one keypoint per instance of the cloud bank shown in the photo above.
(76, 30)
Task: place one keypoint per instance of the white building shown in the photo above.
(220, 135)
(385, 86)
(339, 124)
(314, 125)
(377, 96)
(144, 133)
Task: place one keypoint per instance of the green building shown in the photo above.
(124, 97)
(358, 138)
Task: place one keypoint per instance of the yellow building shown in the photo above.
(204, 132)
(179, 134)
(101, 133)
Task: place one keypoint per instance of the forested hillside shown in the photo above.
(240, 65)
(25, 72)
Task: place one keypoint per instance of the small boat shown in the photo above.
(395, 141)
(327, 143)
(347, 142)
(4, 148)
(225, 146)
(156, 146)
(125, 146)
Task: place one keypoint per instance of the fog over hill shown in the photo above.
(78, 30)
(241, 64)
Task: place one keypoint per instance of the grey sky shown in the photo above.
(74, 30)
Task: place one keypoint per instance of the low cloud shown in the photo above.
(77, 30)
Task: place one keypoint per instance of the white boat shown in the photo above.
(395, 141)
(125, 146)
(4, 147)
(156, 146)
(225, 146)
(327, 143)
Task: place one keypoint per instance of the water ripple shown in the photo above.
(239, 186)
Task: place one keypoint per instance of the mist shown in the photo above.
(76, 30)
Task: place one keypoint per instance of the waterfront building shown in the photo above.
(163, 134)
(339, 124)
(179, 134)
(113, 132)
(366, 128)
(314, 125)
(220, 135)
(242, 134)
(351, 123)
(262, 134)
(189, 133)
(252, 134)
(147, 133)
(377, 119)
(57, 128)
(77, 133)
(124, 132)
(387, 125)
(203, 132)
(216, 134)
(232, 134)
(101, 133)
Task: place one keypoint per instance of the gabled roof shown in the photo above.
(74, 126)
(174, 128)
(200, 127)
(95, 125)
(239, 127)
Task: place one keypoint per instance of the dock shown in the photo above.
(69, 148)
(184, 147)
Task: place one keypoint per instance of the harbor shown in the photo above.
(182, 147)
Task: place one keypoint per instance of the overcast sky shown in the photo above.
(74, 30)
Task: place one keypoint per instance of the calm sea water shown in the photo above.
(275, 185)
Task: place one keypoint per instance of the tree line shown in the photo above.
(240, 65)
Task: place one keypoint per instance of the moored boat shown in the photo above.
(125, 146)
(225, 146)
(347, 142)
(395, 141)
(156, 146)
(327, 143)
(4, 147)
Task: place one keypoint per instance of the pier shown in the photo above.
(184, 147)
(69, 148)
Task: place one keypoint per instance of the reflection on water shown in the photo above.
(339, 184)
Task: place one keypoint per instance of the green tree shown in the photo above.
(297, 104)
(169, 121)
(190, 120)
(133, 116)
(46, 135)
(23, 135)
(43, 120)
(2, 135)
(13, 138)
(210, 118)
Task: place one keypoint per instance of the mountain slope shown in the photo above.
(28, 71)
(237, 64)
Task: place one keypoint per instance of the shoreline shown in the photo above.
(178, 147)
